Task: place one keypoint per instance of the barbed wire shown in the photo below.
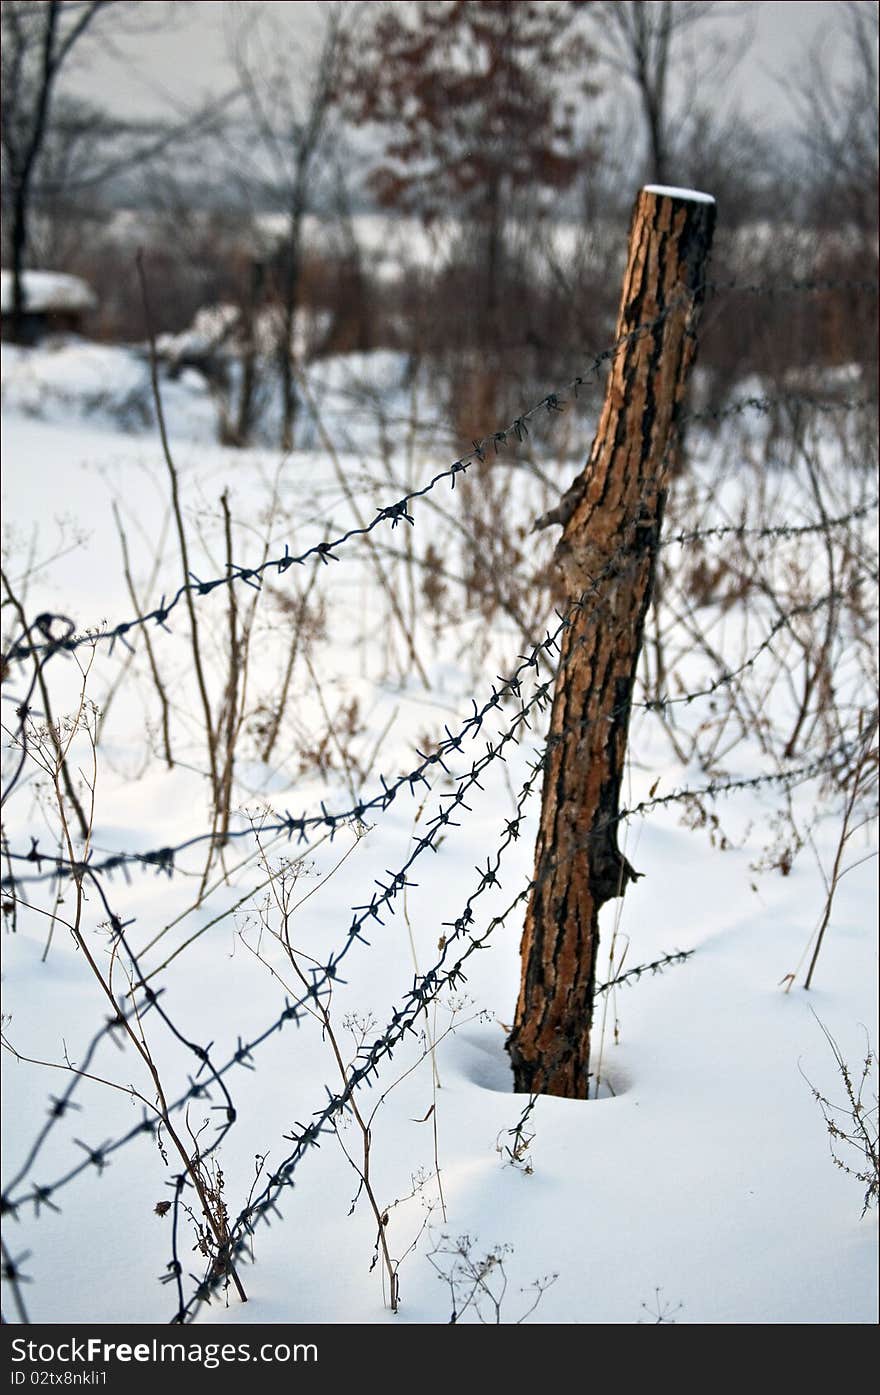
(292, 1011)
(66, 641)
(164, 858)
(795, 286)
(442, 819)
(771, 401)
(447, 971)
(776, 531)
(324, 975)
(60, 1105)
(806, 608)
(41, 1196)
(655, 966)
(427, 987)
(46, 623)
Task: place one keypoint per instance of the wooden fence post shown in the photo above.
(611, 517)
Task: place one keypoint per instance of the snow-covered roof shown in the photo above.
(45, 291)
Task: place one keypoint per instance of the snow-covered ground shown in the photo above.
(698, 1186)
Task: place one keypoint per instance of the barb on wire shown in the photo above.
(11, 1273)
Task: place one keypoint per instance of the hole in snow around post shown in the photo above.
(480, 1057)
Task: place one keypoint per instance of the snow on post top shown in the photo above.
(693, 194)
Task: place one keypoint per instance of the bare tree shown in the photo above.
(643, 40)
(59, 151)
(838, 120)
(38, 39)
(292, 124)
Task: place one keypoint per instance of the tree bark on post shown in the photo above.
(612, 517)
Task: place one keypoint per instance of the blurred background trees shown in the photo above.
(446, 179)
(287, 138)
(37, 41)
(475, 106)
(65, 160)
(837, 126)
(476, 112)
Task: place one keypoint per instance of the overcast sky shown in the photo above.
(185, 56)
